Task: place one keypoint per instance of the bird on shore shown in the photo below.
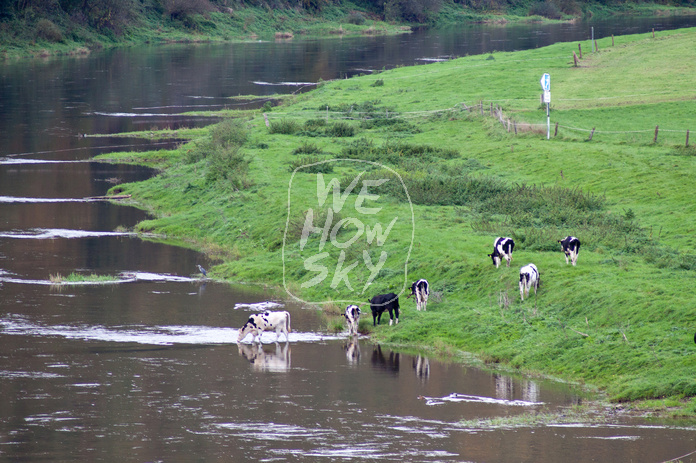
(202, 271)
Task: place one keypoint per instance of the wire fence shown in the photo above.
(492, 109)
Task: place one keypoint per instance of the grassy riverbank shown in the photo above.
(622, 320)
(43, 29)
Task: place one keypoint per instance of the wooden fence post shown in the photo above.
(575, 59)
(596, 47)
(580, 50)
(515, 124)
(653, 32)
(612, 40)
(591, 134)
(555, 132)
(687, 138)
(482, 107)
(657, 127)
(265, 118)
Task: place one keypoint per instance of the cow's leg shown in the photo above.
(566, 256)
(396, 309)
(522, 290)
(391, 316)
(425, 301)
(574, 258)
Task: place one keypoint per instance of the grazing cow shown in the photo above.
(529, 278)
(421, 290)
(571, 248)
(266, 321)
(382, 302)
(352, 317)
(502, 249)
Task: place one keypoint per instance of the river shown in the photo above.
(147, 368)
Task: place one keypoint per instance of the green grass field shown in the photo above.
(623, 320)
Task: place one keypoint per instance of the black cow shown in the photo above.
(571, 248)
(382, 302)
(502, 249)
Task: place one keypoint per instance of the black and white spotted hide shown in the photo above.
(571, 248)
(352, 318)
(502, 249)
(267, 321)
(420, 289)
(529, 278)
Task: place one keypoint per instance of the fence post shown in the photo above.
(555, 132)
(575, 59)
(265, 118)
(591, 134)
(596, 47)
(653, 32)
(580, 50)
(687, 138)
(657, 127)
(515, 124)
(612, 40)
(481, 107)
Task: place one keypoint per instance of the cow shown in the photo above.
(421, 290)
(382, 302)
(502, 249)
(571, 247)
(352, 317)
(266, 321)
(529, 278)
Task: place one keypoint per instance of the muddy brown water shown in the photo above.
(148, 369)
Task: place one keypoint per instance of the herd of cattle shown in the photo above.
(502, 249)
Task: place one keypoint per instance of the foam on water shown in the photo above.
(288, 84)
(456, 397)
(18, 199)
(258, 306)
(52, 233)
(152, 335)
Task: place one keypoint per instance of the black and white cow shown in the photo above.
(352, 317)
(421, 290)
(502, 249)
(382, 302)
(266, 321)
(571, 248)
(529, 278)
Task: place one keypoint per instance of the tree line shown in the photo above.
(113, 15)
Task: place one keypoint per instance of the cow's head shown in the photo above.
(249, 327)
(495, 257)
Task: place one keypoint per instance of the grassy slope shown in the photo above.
(623, 319)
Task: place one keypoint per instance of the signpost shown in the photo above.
(546, 86)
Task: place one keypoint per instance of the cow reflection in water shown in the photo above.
(352, 348)
(262, 360)
(388, 363)
(422, 366)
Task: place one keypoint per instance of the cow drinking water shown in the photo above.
(266, 321)
(571, 247)
(502, 249)
(529, 278)
(382, 302)
(352, 318)
(421, 290)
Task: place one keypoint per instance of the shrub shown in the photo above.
(340, 129)
(314, 163)
(377, 83)
(47, 30)
(355, 17)
(546, 9)
(228, 164)
(230, 132)
(307, 148)
(284, 126)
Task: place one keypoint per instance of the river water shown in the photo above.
(147, 368)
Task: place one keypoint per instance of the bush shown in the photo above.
(324, 168)
(230, 132)
(546, 9)
(307, 148)
(228, 164)
(47, 30)
(340, 129)
(355, 17)
(284, 126)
